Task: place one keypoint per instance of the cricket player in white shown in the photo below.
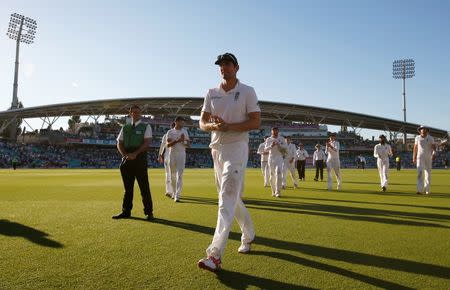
(229, 112)
(382, 152)
(333, 162)
(277, 147)
(177, 141)
(289, 163)
(264, 162)
(164, 158)
(423, 154)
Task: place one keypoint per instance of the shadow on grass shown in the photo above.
(327, 253)
(237, 280)
(13, 229)
(330, 268)
(341, 212)
(374, 203)
(378, 183)
(378, 192)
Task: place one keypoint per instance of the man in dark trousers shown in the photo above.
(132, 143)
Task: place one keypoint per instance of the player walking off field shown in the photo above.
(382, 152)
(289, 162)
(277, 147)
(301, 154)
(229, 112)
(132, 143)
(333, 162)
(264, 162)
(177, 141)
(423, 154)
(164, 159)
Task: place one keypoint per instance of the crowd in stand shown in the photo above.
(74, 155)
(85, 156)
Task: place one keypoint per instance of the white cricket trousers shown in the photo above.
(334, 164)
(167, 172)
(230, 161)
(276, 171)
(288, 168)
(177, 162)
(424, 165)
(265, 171)
(383, 170)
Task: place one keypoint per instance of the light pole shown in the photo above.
(21, 29)
(403, 69)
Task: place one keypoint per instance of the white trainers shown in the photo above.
(277, 195)
(244, 248)
(210, 263)
(176, 199)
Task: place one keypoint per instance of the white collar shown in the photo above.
(232, 90)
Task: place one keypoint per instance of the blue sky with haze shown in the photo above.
(335, 54)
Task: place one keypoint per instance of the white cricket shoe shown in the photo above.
(210, 263)
(244, 248)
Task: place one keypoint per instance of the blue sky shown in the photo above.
(335, 54)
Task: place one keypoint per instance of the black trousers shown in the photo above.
(319, 169)
(131, 170)
(399, 166)
(301, 168)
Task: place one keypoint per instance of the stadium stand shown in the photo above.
(94, 146)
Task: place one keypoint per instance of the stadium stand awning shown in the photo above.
(191, 106)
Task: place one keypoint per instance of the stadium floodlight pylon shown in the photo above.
(404, 69)
(21, 29)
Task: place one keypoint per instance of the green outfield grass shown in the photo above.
(56, 231)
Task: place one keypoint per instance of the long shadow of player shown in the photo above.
(328, 253)
(237, 280)
(13, 229)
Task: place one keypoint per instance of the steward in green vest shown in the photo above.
(133, 142)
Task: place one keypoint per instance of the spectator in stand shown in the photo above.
(423, 154)
(318, 161)
(302, 154)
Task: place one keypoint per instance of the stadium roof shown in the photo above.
(191, 106)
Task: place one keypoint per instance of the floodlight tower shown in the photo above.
(21, 29)
(403, 69)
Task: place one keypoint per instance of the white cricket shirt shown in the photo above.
(174, 134)
(233, 107)
(333, 153)
(261, 151)
(302, 154)
(277, 151)
(424, 148)
(382, 151)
